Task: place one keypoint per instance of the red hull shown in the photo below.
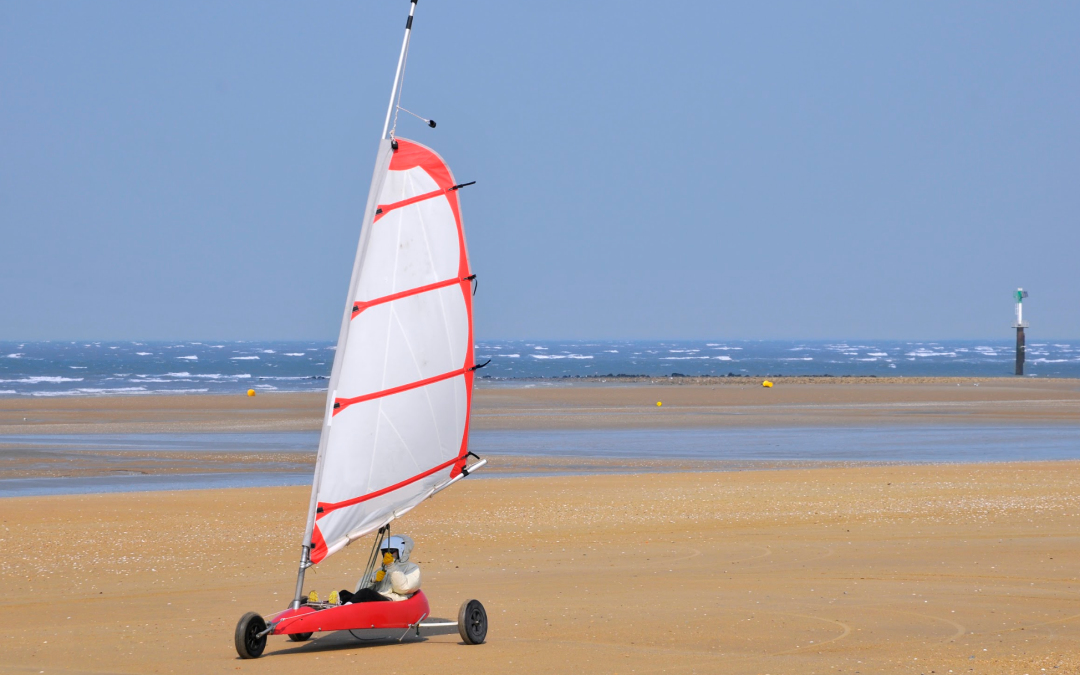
(358, 616)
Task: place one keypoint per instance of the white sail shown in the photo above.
(398, 409)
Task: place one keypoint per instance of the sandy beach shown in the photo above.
(897, 570)
(677, 567)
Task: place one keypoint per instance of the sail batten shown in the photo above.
(402, 383)
(342, 403)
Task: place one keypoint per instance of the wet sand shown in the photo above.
(968, 568)
(601, 405)
(595, 404)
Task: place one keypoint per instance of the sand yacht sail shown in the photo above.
(395, 429)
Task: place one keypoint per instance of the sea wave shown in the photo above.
(144, 353)
(94, 391)
(14, 356)
(293, 354)
(206, 376)
(44, 379)
(188, 358)
(243, 358)
(561, 356)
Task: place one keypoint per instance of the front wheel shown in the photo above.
(472, 622)
(299, 637)
(249, 645)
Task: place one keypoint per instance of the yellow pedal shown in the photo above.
(313, 597)
(333, 599)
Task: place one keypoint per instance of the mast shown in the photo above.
(395, 93)
(381, 161)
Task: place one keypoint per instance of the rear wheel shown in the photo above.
(299, 637)
(472, 622)
(248, 644)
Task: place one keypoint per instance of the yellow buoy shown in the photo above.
(766, 383)
(659, 403)
(251, 392)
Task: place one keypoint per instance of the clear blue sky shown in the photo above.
(645, 170)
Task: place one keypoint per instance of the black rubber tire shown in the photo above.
(299, 637)
(472, 622)
(247, 645)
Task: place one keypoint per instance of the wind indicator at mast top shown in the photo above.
(1020, 326)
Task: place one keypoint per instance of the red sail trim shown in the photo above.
(327, 508)
(361, 306)
(342, 403)
(384, 209)
(318, 545)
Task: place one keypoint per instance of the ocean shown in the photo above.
(93, 368)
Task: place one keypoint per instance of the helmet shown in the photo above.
(402, 544)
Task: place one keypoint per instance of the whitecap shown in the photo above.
(611, 351)
(14, 356)
(188, 358)
(510, 356)
(93, 391)
(77, 367)
(293, 354)
(268, 351)
(39, 379)
(722, 358)
(926, 352)
(684, 358)
(877, 353)
(144, 353)
(798, 358)
(243, 358)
